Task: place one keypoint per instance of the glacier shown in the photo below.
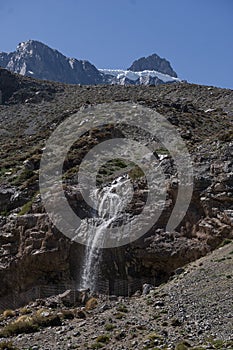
(120, 74)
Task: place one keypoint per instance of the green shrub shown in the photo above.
(136, 173)
(119, 315)
(104, 338)
(4, 213)
(182, 346)
(122, 308)
(7, 345)
(26, 208)
(218, 344)
(153, 336)
(23, 176)
(97, 345)
(225, 242)
(109, 327)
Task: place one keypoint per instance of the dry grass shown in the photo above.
(29, 324)
(8, 313)
(91, 304)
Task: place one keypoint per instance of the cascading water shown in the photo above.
(110, 201)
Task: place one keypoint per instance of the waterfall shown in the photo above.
(110, 201)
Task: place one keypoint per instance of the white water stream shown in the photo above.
(110, 201)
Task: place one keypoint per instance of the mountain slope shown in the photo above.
(195, 303)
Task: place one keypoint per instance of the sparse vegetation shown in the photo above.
(104, 338)
(119, 315)
(23, 324)
(4, 213)
(23, 176)
(29, 324)
(136, 173)
(97, 345)
(225, 242)
(25, 311)
(122, 308)
(7, 345)
(183, 346)
(109, 327)
(26, 208)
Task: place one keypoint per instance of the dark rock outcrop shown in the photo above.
(17, 89)
(8, 84)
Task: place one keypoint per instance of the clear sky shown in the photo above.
(196, 36)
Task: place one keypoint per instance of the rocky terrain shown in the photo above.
(35, 59)
(193, 310)
(34, 254)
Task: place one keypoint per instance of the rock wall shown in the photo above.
(33, 252)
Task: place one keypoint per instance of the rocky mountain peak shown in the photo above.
(35, 59)
(153, 62)
(32, 48)
(25, 45)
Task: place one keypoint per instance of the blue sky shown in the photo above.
(196, 36)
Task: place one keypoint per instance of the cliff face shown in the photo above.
(33, 252)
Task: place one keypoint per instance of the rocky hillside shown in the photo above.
(35, 59)
(35, 256)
